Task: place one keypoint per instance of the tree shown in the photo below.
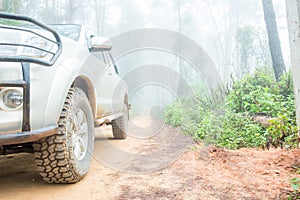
(245, 39)
(224, 18)
(251, 50)
(274, 41)
(182, 22)
(100, 8)
(10, 6)
(293, 15)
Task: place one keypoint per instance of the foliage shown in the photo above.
(252, 49)
(229, 122)
(240, 131)
(245, 39)
(260, 94)
(9, 22)
(174, 114)
(282, 130)
(10, 6)
(295, 184)
(231, 130)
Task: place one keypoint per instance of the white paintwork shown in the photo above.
(50, 85)
(108, 98)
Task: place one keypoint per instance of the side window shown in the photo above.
(110, 61)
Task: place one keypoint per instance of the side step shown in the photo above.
(107, 119)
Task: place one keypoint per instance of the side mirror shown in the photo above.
(101, 44)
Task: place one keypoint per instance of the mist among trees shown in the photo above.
(232, 32)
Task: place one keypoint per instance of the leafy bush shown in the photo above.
(174, 114)
(228, 123)
(261, 94)
(295, 184)
(240, 131)
(282, 130)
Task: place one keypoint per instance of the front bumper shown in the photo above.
(30, 136)
(26, 134)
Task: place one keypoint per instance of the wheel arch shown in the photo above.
(63, 81)
(86, 85)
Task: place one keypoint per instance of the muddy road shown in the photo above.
(117, 165)
(156, 162)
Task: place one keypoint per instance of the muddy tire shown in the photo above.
(120, 125)
(65, 157)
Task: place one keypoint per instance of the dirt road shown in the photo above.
(156, 162)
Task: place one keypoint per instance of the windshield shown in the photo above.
(71, 31)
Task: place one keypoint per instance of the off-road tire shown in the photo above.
(55, 155)
(120, 125)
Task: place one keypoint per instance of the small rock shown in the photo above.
(276, 171)
(9, 157)
(266, 172)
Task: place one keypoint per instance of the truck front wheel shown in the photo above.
(65, 157)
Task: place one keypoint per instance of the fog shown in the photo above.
(230, 36)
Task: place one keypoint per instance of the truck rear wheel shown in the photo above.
(65, 157)
(120, 125)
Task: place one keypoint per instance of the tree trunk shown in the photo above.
(103, 5)
(274, 41)
(293, 17)
(100, 8)
(54, 10)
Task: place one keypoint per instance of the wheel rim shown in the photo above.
(80, 134)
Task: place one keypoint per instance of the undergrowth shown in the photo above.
(227, 120)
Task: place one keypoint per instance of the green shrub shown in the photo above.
(240, 131)
(282, 130)
(261, 94)
(228, 122)
(232, 130)
(295, 184)
(174, 114)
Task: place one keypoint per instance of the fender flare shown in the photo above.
(58, 93)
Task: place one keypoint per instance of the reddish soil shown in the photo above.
(239, 174)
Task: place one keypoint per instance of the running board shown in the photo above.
(107, 119)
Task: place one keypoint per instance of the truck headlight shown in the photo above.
(37, 42)
(22, 43)
(11, 99)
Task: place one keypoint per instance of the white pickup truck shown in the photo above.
(56, 85)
